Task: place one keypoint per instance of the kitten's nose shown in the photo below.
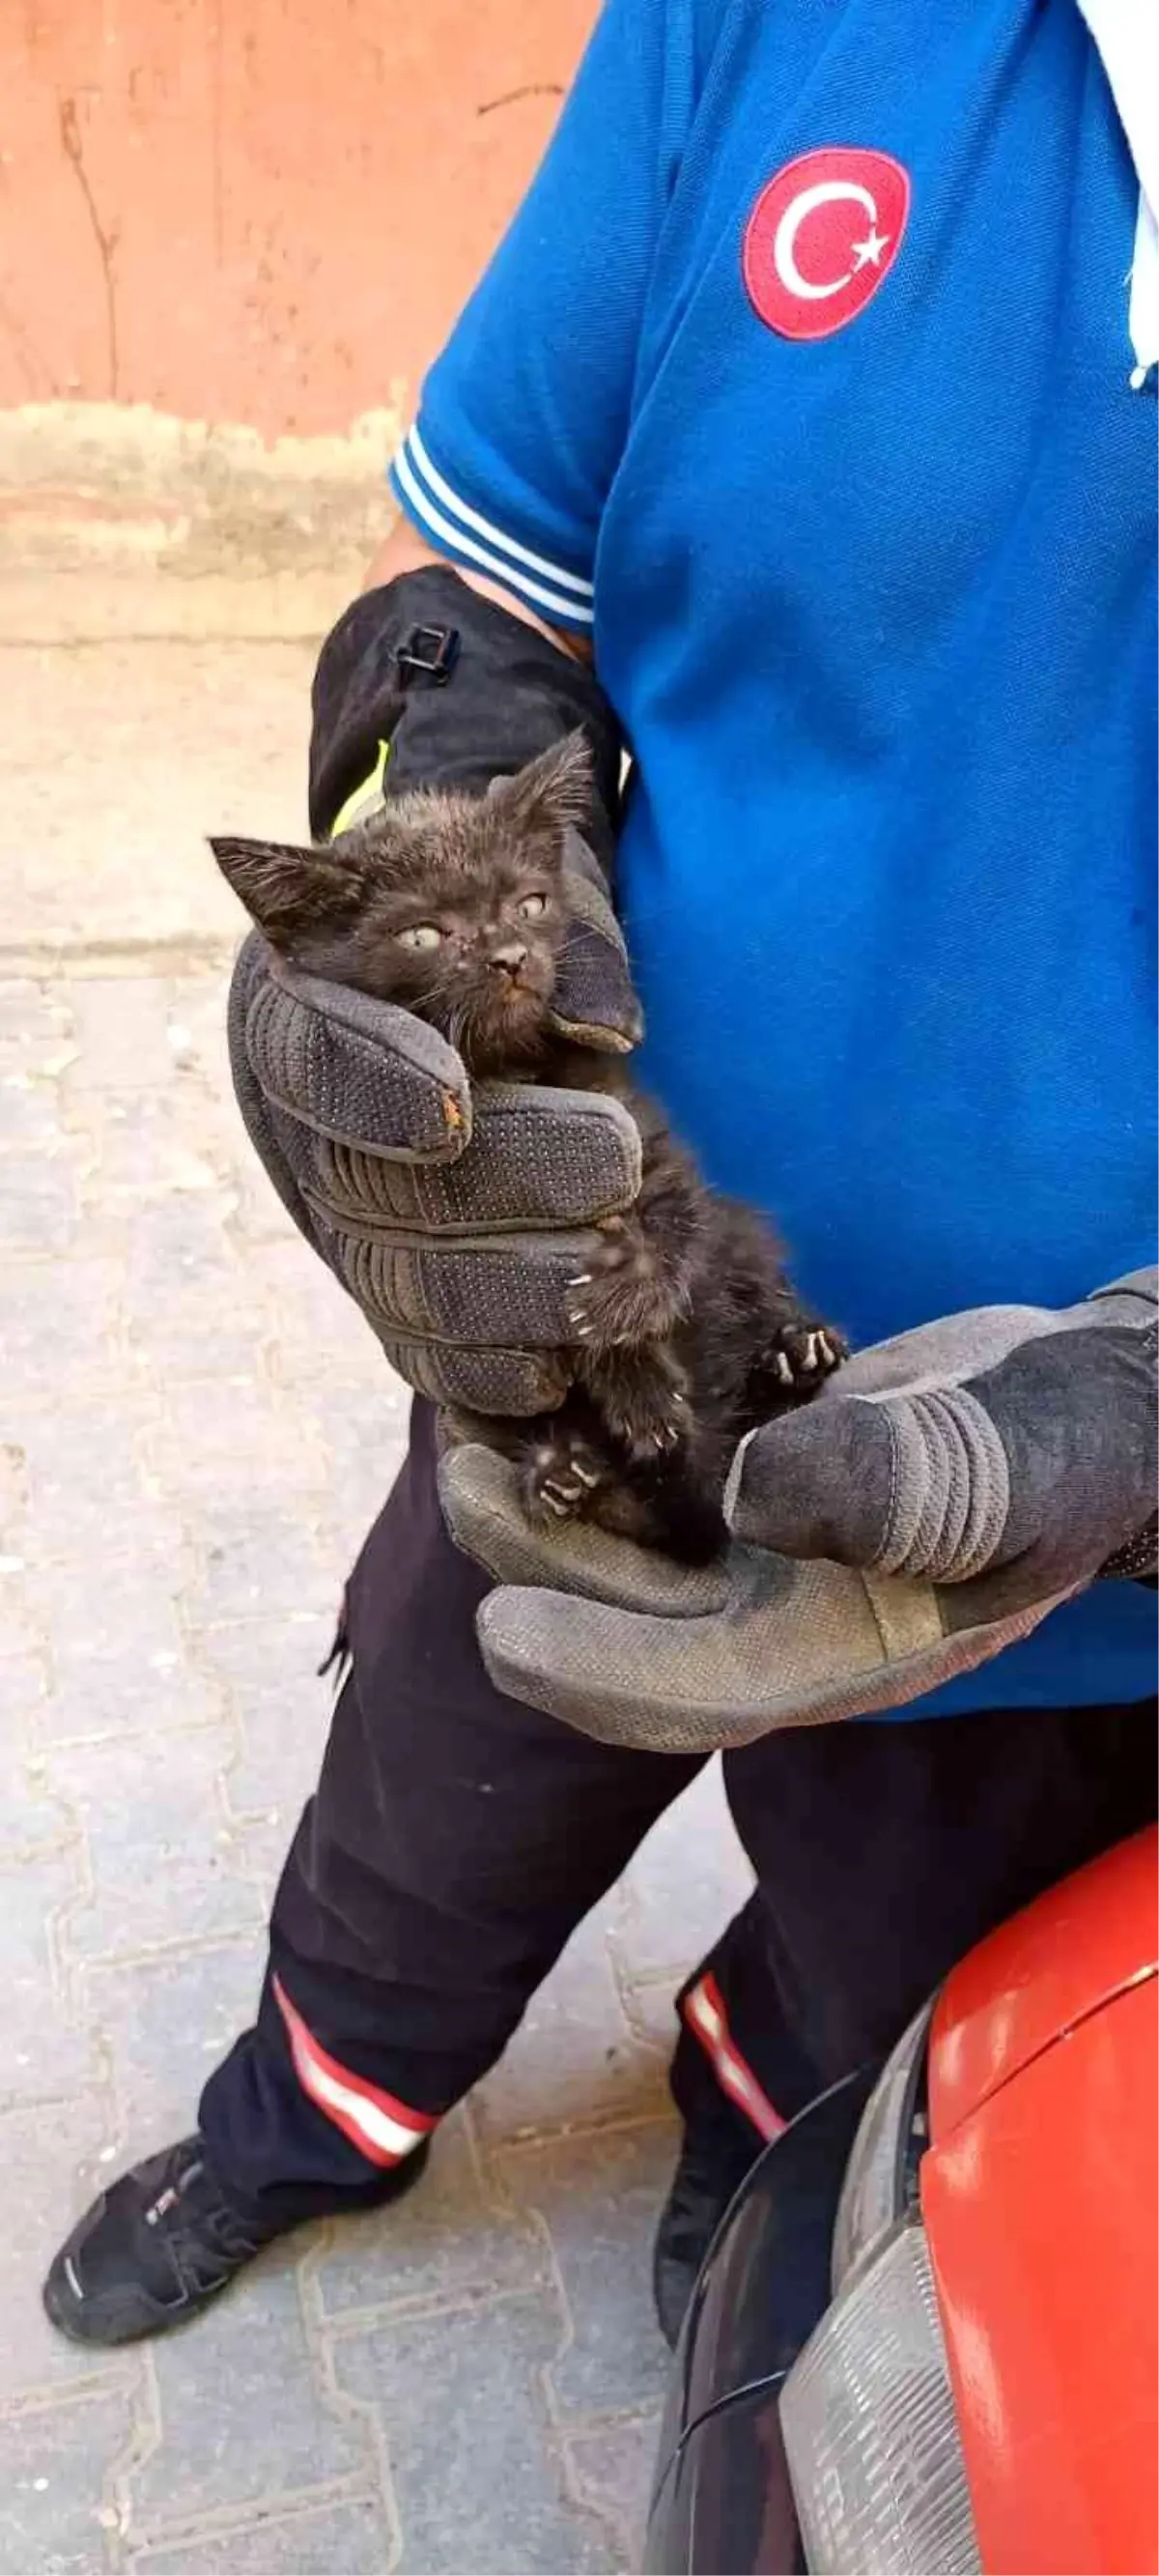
(509, 958)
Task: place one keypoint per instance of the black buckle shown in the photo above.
(429, 653)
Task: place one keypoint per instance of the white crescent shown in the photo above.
(828, 192)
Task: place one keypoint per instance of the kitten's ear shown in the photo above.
(290, 892)
(553, 791)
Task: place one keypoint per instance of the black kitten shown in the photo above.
(688, 1331)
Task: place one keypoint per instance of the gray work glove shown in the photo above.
(455, 1218)
(943, 1494)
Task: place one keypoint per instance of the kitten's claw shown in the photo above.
(806, 1354)
(627, 1296)
(668, 1436)
(561, 1477)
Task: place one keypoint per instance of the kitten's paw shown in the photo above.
(561, 1478)
(626, 1296)
(805, 1354)
(643, 1398)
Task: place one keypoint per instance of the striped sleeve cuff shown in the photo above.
(456, 529)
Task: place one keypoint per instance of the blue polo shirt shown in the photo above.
(802, 378)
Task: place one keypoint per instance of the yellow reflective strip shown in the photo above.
(371, 794)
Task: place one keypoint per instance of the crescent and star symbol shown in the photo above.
(829, 192)
(821, 239)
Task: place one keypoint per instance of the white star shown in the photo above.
(870, 249)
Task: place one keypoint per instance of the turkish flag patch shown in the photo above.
(822, 238)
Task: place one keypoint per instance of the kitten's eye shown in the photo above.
(531, 907)
(421, 934)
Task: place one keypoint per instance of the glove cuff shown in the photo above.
(459, 690)
(1138, 1560)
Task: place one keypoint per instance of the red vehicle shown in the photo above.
(926, 2337)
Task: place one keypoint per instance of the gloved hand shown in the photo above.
(455, 1221)
(943, 1494)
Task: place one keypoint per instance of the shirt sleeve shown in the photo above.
(522, 419)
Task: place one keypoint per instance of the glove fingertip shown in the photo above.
(500, 1626)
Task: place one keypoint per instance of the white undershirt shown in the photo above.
(1126, 33)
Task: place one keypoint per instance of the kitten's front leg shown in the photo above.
(630, 1292)
(642, 1398)
(637, 1287)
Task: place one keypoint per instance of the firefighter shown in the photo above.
(799, 439)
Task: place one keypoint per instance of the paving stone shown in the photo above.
(13, 1481)
(269, 1667)
(305, 1320)
(39, 1204)
(124, 1692)
(36, 1026)
(685, 1884)
(49, 2178)
(259, 1217)
(23, 1687)
(259, 1559)
(121, 1029)
(45, 2052)
(23, 1632)
(312, 1311)
(449, 2239)
(109, 1608)
(53, 2467)
(135, 1150)
(60, 1328)
(574, 2057)
(35, 1818)
(478, 2475)
(29, 1111)
(190, 1308)
(649, 2005)
(232, 1433)
(245, 2368)
(195, 1010)
(162, 1861)
(344, 2539)
(363, 1432)
(88, 1490)
(163, 2025)
(613, 2471)
(599, 2196)
(262, 1845)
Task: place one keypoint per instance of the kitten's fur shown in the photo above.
(689, 1331)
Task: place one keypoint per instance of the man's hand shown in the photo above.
(943, 1494)
(455, 1219)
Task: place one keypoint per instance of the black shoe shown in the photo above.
(158, 2246)
(713, 2164)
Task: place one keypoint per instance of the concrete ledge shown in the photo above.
(120, 521)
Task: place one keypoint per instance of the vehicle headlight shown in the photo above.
(870, 2430)
(867, 2411)
(873, 2194)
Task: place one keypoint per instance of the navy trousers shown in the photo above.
(456, 1840)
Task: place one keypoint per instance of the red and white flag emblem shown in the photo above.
(821, 239)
